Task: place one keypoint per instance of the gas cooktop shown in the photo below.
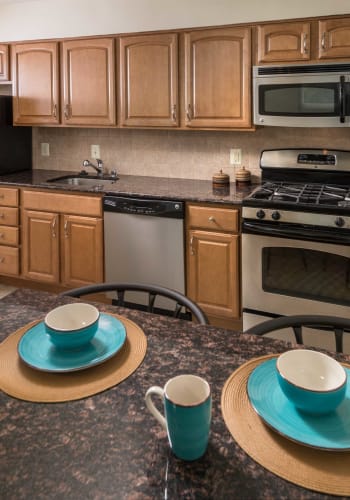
(305, 194)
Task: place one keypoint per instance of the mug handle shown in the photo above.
(158, 391)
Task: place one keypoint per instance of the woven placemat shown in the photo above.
(318, 470)
(23, 382)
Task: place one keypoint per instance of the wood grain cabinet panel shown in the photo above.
(217, 78)
(4, 63)
(88, 82)
(148, 80)
(9, 231)
(82, 250)
(213, 257)
(35, 83)
(40, 246)
(60, 244)
(334, 38)
(284, 42)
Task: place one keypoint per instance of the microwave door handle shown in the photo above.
(342, 99)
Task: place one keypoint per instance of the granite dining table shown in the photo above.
(108, 446)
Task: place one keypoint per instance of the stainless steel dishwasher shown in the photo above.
(144, 242)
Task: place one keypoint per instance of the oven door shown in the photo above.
(284, 276)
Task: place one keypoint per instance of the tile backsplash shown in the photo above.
(174, 153)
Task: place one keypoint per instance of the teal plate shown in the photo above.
(37, 351)
(327, 432)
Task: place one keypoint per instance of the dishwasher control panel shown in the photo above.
(144, 206)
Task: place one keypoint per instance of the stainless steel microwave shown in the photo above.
(310, 95)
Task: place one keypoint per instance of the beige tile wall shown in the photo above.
(182, 154)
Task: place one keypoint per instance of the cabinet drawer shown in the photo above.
(9, 216)
(91, 206)
(213, 218)
(9, 260)
(9, 235)
(9, 197)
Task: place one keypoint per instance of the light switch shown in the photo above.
(45, 149)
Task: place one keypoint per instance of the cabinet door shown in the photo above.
(284, 42)
(88, 82)
(40, 247)
(35, 83)
(82, 243)
(217, 78)
(213, 272)
(148, 80)
(334, 38)
(4, 63)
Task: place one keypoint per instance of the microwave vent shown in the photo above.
(298, 69)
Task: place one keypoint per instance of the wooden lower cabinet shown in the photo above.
(82, 250)
(213, 276)
(60, 247)
(40, 248)
(9, 232)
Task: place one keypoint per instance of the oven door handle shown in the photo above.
(297, 233)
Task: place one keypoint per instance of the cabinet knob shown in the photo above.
(2, 259)
(212, 219)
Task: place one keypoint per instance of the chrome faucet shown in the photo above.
(99, 168)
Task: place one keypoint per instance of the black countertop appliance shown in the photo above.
(15, 142)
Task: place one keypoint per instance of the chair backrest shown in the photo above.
(336, 324)
(181, 302)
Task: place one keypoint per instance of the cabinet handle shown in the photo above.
(189, 113)
(66, 111)
(54, 111)
(211, 219)
(305, 47)
(2, 216)
(2, 236)
(53, 227)
(191, 246)
(173, 112)
(65, 227)
(323, 41)
(2, 259)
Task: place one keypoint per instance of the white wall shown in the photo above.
(34, 19)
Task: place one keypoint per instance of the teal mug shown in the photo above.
(187, 406)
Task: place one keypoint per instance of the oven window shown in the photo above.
(311, 274)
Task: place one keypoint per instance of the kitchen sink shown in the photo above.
(93, 182)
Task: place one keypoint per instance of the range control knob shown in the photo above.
(339, 221)
(260, 214)
(276, 215)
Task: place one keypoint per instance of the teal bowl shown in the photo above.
(314, 382)
(72, 326)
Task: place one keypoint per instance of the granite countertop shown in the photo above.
(108, 446)
(133, 185)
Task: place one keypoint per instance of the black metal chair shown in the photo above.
(297, 322)
(181, 302)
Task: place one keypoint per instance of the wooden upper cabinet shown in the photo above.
(149, 80)
(88, 75)
(284, 42)
(35, 83)
(217, 78)
(4, 63)
(334, 38)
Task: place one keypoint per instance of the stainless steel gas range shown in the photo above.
(296, 237)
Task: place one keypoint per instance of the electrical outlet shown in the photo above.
(45, 149)
(235, 156)
(95, 151)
